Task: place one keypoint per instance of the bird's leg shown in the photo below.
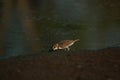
(68, 48)
(65, 49)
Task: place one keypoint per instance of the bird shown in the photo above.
(65, 44)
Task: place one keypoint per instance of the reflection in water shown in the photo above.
(33, 26)
(14, 36)
(28, 25)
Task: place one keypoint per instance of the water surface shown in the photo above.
(29, 27)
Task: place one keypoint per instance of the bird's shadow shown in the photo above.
(51, 50)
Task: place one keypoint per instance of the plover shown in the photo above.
(65, 44)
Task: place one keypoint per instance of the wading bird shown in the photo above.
(65, 44)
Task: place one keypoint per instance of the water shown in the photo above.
(34, 26)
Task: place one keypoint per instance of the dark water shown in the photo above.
(29, 27)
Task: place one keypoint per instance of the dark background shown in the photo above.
(33, 26)
(29, 28)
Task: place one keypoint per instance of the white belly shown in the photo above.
(70, 44)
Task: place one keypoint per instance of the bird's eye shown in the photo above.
(53, 46)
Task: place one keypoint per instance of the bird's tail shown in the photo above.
(76, 40)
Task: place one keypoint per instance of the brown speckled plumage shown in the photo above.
(65, 44)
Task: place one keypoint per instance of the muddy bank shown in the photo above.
(86, 65)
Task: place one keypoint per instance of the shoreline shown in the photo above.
(101, 64)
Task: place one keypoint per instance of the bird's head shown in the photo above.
(55, 47)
